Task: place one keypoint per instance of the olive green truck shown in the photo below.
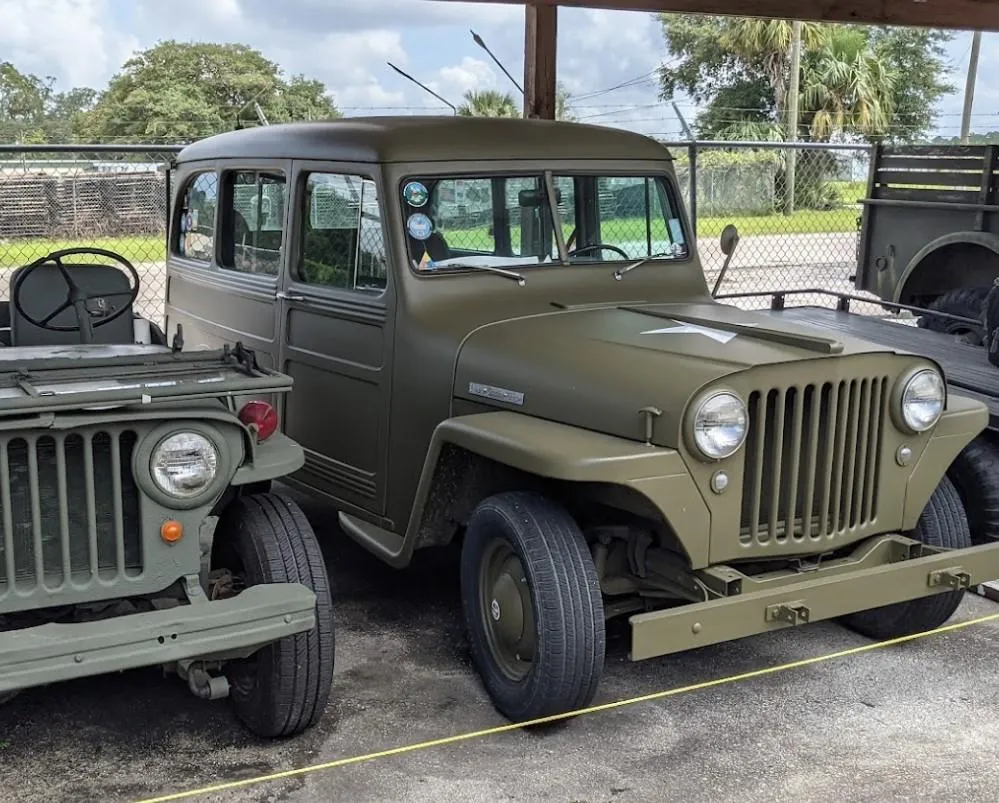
(500, 332)
(500, 335)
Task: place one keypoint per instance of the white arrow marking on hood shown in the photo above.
(693, 329)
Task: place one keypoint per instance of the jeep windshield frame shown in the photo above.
(512, 220)
(83, 378)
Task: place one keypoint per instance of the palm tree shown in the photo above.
(769, 42)
(845, 87)
(488, 103)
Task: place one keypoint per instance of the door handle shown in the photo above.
(289, 297)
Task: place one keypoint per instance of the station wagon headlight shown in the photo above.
(922, 400)
(719, 425)
(184, 464)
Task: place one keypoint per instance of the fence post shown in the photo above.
(692, 179)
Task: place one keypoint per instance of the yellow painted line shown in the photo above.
(595, 709)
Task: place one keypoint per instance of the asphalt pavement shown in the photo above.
(908, 722)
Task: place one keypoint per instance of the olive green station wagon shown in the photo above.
(500, 332)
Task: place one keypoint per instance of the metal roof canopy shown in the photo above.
(541, 24)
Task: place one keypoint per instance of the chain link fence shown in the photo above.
(111, 197)
(796, 209)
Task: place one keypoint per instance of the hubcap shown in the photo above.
(507, 610)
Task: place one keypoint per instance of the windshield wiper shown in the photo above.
(501, 271)
(621, 271)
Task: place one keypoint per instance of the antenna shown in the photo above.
(409, 77)
(478, 40)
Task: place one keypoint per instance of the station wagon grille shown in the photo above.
(812, 460)
(69, 509)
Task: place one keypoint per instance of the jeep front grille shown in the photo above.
(812, 460)
(69, 510)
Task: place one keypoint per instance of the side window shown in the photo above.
(253, 233)
(342, 243)
(196, 229)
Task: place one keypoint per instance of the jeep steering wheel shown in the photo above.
(599, 247)
(75, 297)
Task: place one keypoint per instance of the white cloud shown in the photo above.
(67, 39)
(606, 59)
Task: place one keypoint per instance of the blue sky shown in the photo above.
(606, 59)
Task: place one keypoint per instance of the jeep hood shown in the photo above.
(597, 367)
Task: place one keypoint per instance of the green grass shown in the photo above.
(135, 249)
(806, 221)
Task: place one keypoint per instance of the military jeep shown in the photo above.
(138, 524)
(501, 335)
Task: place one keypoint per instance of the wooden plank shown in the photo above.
(959, 14)
(978, 151)
(913, 194)
(936, 178)
(931, 163)
(540, 37)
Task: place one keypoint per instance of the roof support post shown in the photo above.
(541, 34)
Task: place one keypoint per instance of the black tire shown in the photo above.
(562, 598)
(942, 524)
(975, 474)
(283, 688)
(968, 302)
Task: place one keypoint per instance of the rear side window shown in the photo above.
(253, 223)
(342, 243)
(196, 223)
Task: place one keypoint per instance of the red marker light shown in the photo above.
(261, 416)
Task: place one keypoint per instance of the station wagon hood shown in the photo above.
(595, 367)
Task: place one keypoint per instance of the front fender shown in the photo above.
(276, 457)
(561, 452)
(960, 424)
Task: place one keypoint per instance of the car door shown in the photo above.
(226, 256)
(336, 333)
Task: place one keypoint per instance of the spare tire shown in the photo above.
(968, 302)
(975, 474)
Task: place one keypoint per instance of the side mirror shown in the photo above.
(729, 239)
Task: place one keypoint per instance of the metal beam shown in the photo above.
(958, 14)
(540, 37)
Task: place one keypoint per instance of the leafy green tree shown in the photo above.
(492, 103)
(856, 81)
(184, 91)
(488, 103)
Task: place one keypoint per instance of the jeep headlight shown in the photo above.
(720, 425)
(922, 400)
(184, 464)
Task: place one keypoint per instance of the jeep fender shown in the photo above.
(983, 240)
(558, 452)
(276, 457)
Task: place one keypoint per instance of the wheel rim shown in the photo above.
(506, 610)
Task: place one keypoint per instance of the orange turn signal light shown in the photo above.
(172, 531)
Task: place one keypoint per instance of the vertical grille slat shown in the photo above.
(780, 399)
(64, 502)
(119, 515)
(812, 460)
(10, 567)
(69, 509)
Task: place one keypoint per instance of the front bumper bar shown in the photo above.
(819, 595)
(51, 653)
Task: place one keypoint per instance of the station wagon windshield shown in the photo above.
(506, 221)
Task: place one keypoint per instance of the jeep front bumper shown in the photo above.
(885, 570)
(51, 653)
